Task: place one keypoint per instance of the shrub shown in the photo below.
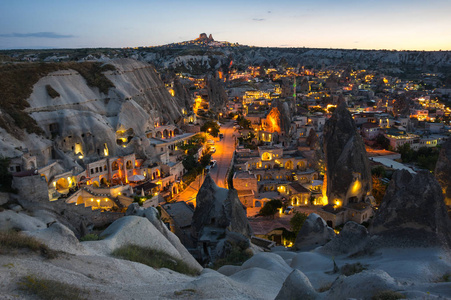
(297, 221)
(445, 278)
(153, 258)
(270, 208)
(351, 269)
(51, 289)
(13, 240)
(185, 292)
(388, 295)
(325, 287)
(51, 91)
(90, 237)
(237, 255)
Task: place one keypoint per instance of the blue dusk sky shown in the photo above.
(349, 24)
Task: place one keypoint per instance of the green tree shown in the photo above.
(189, 162)
(378, 171)
(205, 159)
(270, 208)
(407, 154)
(382, 142)
(211, 127)
(297, 221)
(378, 190)
(243, 122)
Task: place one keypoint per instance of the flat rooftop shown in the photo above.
(244, 175)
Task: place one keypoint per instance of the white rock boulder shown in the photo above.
(297, 287)
(58, 237)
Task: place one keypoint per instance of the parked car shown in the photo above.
(210, 142)
(213, 163)
(288, 210)
(212, 149)
(221, 136)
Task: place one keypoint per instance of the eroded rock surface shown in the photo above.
(413, 212)
(219, 207)
(352, 239)
(152, 215)
(347, 165)
(443, 171)
(314, 233)
(297, 287)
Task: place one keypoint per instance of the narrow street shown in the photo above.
(223, 156)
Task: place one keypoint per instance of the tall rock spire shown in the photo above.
(347, 166)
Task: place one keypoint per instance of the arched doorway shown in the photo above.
(289, 165)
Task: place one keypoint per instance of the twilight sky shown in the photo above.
(361, 24)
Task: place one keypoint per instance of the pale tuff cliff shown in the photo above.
(82, 120)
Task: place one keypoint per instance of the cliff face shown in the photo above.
(216, 93)
(82, 120)
(207, 60)
(412, 212)
(443, 171)
(347, 166)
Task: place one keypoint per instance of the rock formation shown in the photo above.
(182, 95)
(83, 121)
(153, 216)
(362, 285)
(219, 222)
(297, 287)
(353, 239)
(412, 212)
(443, 171)
(347, 166)
(58, 237)
(216, 92)
(314, 233)
(219, 207)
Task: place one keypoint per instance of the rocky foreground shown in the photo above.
(328, 272)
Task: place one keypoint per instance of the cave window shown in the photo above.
(115, 166)
(92, 171)
(104, 167)
(97, 169)
(129, 165)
